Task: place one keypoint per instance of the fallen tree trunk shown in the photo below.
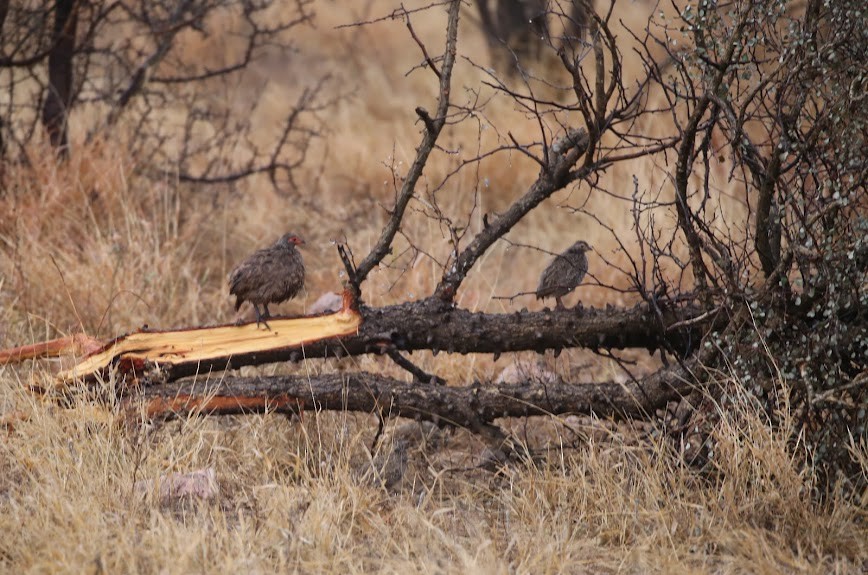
(211, 348)
(155, 357)
(427, 325)
(465, 406)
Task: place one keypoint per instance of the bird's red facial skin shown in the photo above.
(295, 240)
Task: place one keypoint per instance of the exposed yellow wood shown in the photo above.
(202, 344)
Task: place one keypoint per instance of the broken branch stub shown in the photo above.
(184, 351)
(78, 344)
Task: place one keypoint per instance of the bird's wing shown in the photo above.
(548, 281)
(244, 277)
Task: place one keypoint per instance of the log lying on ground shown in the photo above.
(425, 325)
(163, 356)
(208, 348)
(466, 406)
(429, 325)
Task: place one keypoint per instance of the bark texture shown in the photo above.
(58, 98)
(466, 406)
(431, 325)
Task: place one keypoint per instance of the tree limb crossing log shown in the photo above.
(457, 406)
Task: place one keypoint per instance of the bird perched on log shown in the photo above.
(564, 274)
(270, 275)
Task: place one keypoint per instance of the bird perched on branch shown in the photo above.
(270, 275)
(564, 274)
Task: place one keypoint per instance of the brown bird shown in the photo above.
(564, 274)
(388, 467)
(270, 275)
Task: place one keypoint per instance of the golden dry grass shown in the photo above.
(93, 246)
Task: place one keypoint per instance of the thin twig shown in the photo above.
(418, 373)
(433, 127)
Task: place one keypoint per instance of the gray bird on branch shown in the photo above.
(270, 275)
(564, 274)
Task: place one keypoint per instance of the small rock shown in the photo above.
(329, 302)
(523, 371)
(387, 468)
(200, 484)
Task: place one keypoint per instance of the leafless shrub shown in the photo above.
(150, 73)
(781, 281)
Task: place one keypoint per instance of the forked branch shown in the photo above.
(433, 127)
(563, 156)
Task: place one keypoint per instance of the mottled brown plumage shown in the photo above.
(270, 275)
(564, 274)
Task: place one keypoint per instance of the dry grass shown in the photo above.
(293, 496)
(91, 245)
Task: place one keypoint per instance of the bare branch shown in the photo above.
(433, 126)
(563, 156)
(418, 373)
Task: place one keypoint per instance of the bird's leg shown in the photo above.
(559, 304)
(266, 316)
(260, 318)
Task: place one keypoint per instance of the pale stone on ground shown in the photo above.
(326, 303)
(523, 370)
(199, 484)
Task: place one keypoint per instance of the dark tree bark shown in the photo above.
(60, 74)
(428, 325)
(4, 11)
(466, 406)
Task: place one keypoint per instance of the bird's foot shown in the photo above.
(260, 318)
